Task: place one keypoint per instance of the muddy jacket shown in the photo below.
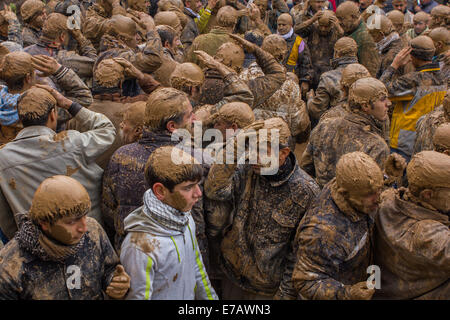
(38, 153)
(256, 250)
(30, 36)
(191, 30)
(426, 127)
(334, 249)
(82, 62)
(367, 53)
(168, 64)
(328, 91)
(97, 22)
(445, 68)
(413, 94)
(269, 18)
(285, 103)
(163, 263)
(323, 47)
(334, 137)
(14, 32)
(147, 60)
(298, 58)
(27, 272)
(390, 49)
(412, 250)
(208, 42)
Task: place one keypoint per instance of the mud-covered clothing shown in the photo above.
(124, 180)
(260, 87)
(38, 153)
(161, 254)
(418, 93)
(14, 32)
(147, 60)
(334, 248)
(328, 91)
(30, 36)
(445, 68)
(298, 58)
(412, 34)
(390, 48)
(334, 137)
(323, 46)
(256, 250)
(368, 55)
(212, 87)
(426, 127)
(30, 272)
(191, 30)
(208, 42)
(285, 103)
(412, 249)
(168, 65)
(97, 23)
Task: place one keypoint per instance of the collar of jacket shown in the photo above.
(156, 138)
(284, 173)
(342, 204)
(357, 30)
(366, 120)
(33, 131)
(190, 13)
(385, 44)
(219, 30)
(432, 66)
(407, 206)
(343, 61)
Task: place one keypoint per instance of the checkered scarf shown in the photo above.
(164, 214)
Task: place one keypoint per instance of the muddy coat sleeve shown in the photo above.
(368, 56)
(149, 59)
(304, 69)
(235, 90)
(221, 182)
(307, 161)
(10, 271)
(97, 133)
(321, 101)
(316, 260)
(190, 31)
(74, 88)
(7, 221)
(397, 86)
(15, 32)
(274, 76)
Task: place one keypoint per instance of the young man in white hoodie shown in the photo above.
(160, 251)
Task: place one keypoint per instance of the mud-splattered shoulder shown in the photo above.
(94, 229)
(145, 242)
(303, 188)
(12, 259)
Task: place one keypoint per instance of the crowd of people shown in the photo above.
(101, 100)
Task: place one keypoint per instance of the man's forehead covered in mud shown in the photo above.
(109, 73)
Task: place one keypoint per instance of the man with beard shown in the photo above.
(267, 204)
(342, 213)
(321, 36)
(412, 238)
(33, 16)
(354, 27)
(298, 58)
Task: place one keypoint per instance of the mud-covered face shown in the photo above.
(262, 6)
(379, 108)
(317, 5)
(195, 5)
(324, 28)
(367, 204)
(39, 19)
(68, 230)
(399, 5)
(4, 30)
(284, 24)
(363, 4)
(419, 26)
(222, 125)
(141, 5)
(348, 22)
(440, 199)
(184, 196)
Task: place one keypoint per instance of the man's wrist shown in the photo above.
(74, 108)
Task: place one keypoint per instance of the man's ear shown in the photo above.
(171, 126)
(284, 153)
(234, 126)
(159, 190)
(426, 194)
